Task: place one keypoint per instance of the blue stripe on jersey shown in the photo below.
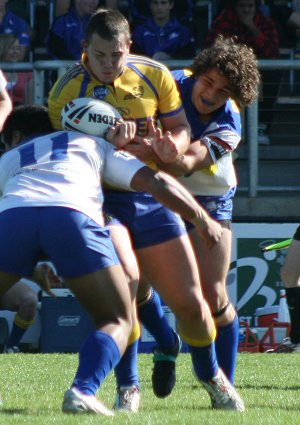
(60, 147)
(143, 60)
(69, 75)
(171, 114)
(27, 155)
(143, 77)
(84, 84)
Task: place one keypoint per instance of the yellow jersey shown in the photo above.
(145, 89)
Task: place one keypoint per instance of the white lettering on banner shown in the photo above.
(254, 278)
(68, 320)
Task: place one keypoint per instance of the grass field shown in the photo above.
(32, 387)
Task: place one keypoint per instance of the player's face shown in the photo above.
(210, 92)
(107, 58)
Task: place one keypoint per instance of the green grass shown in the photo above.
(32, 387)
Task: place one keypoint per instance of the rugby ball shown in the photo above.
(89, 116)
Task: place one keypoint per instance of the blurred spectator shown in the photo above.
(62, 6)
(162, 36)
(242, 18)
(13, 24)
(139, 10)
(67, 31)
(19, 83)
(287, 17)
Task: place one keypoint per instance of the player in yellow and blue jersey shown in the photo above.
(142, 90)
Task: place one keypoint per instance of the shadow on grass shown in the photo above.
(14, 411)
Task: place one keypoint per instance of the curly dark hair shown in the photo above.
(235, 61)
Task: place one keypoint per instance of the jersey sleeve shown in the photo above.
(169, 102)
(119, 168)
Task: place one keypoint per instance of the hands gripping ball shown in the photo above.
(89, 116)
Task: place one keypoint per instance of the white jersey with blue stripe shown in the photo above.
(64, 169)
(225, 125)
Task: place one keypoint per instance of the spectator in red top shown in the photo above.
(242, 18)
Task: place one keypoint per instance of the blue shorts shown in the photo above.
(218, 207)
(71, 240)
(149, 223)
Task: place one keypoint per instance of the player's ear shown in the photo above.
(16, 138)
(84, 45)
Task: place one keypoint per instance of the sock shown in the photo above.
(126, 370)
(227, 346)
(204, 361)
(20, 326)
(293, 302)
(152, 317)
(98, 355)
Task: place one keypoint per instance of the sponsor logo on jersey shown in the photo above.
(137, 92)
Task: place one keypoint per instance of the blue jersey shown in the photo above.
(66, 35)
(217, 182)
(173, 38)
(13, 24)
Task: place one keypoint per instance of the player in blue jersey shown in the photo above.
(222, 79)
(51, 203)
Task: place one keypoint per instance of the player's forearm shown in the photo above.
(181, 135)
(170, 193)
(196, 158)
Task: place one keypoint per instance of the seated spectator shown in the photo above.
(19, 83)
(242, 19)
(13, 24)
(62, 6)
(162, 36)
(67, 31)
(139, 10)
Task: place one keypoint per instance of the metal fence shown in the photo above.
(287, 93)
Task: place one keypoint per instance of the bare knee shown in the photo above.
(28, 301)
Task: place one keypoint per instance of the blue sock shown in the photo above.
(15, 336)
(204, 361)
(152, 317)
(227, 347)
(126, 370)
(98, 355)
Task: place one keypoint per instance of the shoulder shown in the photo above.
(15, 19)
(145, 62)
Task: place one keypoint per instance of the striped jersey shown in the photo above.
(63, 169)
(225, 125)
(144, 89)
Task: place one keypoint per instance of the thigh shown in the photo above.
(104, 294)
(122, 243)
(12, 299)
(290, 271)
(213, 264)
(172, 270)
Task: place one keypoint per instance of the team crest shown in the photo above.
(99, 92)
